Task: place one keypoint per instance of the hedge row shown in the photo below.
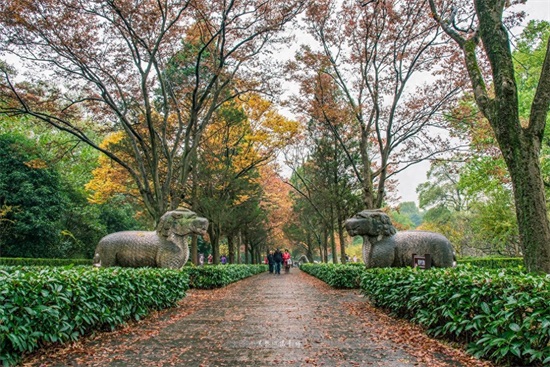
(40, 305)
(216, 276)
(20, 261)
(337, 276)
(493, 262)
(45, 305)
(503, 315)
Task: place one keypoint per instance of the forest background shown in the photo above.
(112, 114)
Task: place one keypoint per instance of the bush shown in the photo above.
(41, 305)
(336, 275)
(20, 261)
(217, 276)
(493, 262)
(503, 314)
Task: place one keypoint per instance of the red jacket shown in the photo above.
(286, 256)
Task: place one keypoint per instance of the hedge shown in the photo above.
(41, 305)
(216, 276)
(493, 262)
(503, 315)
(335, 275)
(25, 261)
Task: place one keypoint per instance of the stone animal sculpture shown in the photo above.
(167, 247)
(384, 247)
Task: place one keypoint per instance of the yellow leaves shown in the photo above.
(246, 134)
(268, 126)
(109, 178)
(36, 164)
(241, 199)
(108, 181)
(112, 139)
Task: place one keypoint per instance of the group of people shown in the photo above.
(276, 259)
(223, 259)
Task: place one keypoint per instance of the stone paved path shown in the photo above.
(266, 320)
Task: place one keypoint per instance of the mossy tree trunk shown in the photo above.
(520, 145)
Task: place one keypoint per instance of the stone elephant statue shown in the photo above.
(167, 247)
(384, 247)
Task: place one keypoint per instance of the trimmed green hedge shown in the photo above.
(217, 276)
(493, 262)
(336, 275)
(503, 314)
(40, 305)
(25, 261)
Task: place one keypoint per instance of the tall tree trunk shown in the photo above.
(239, 244)
(231, 249)
(309, 251)
(534, 229)
(194, 249)
(215, 243)
(332, 237)
(325, 244)
(368, 192)
(194, 207)
(246, 252)
(520, 146)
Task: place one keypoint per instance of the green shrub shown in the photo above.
(216, 276)
(503, 314)
(40, 305)
(493, 262)
(336, 275)
(20, 261)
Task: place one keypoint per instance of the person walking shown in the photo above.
(278, 259)
(201, 260)
(223, 260)
(210, 259)
(270, 261)
(287, 261)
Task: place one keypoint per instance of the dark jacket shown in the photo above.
(278, 256)
(270, 259)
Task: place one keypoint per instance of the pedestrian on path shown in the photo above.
(287, 261)
(278, 259)
(201, 260)
(270, 261)
(224, 260)
(210, 259)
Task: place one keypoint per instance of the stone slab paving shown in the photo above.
(266, 320)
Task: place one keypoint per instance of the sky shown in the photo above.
(410, 178)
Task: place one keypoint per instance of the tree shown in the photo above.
(469, 204)
(371, 54)
(519, 142)
(153, 71)
(30, 200)
(244, 136)
(410, 211)
(327, 185)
